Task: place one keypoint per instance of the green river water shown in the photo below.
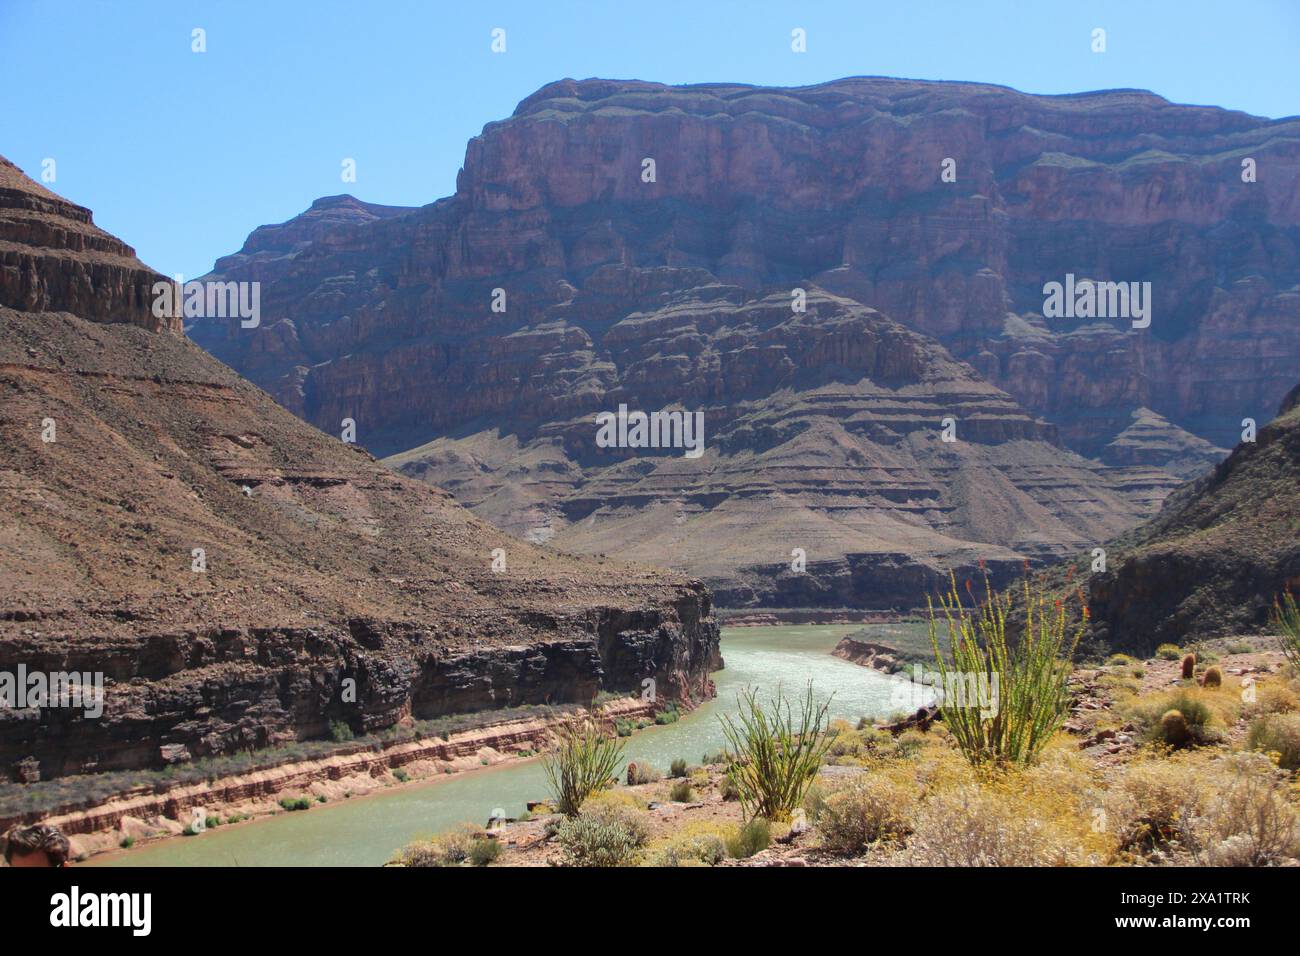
(365, 831)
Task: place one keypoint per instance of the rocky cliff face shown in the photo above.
(1217, 556)
(241, 579)
(588, 251)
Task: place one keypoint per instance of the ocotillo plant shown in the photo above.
(1025, 681)
(776, 757)
(584, 764)
(1286, 618)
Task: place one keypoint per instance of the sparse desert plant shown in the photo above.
(1278, 734)
(1249, 821)
(681, 792)
(677, 768)
(583, 764)
(1189, 666)
(702, 844)
(669, 715)
(1173, 728)
(295, 803)
(872, 809)
(127, 842)
(340, 731)
(1286, 619)
(727, 789)
(970, 826)
(777, 753)
(446, 849)
(640, 771)
(1120, 660)
(1271, 697)
(1169, 652)
(1154, 800)
(1241, 647)
(1198, 725)
(607, 832)
(401, 775)
(754, 836)
(1213, 677)
(1022, 690)
(483, 851)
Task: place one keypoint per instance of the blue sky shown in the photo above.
(182, 154)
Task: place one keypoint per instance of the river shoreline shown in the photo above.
(148, 817)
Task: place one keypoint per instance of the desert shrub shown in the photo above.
(127, 842)
(909, 743)
(446, 849)
(669, 715)
(677, 768)
(1213, 677)
(295, 803)
(1157, 717)
(814, 801)
(639, 772)
(607, 832)
(401, 775)
(483, 851)
(211, 823)
(583, 764)
(1278, 734)
(872, 809)
(728, 790)
(1120, 660)
(754, 836)
(703, 844)
(624, 728)
(971, 826)
(1271, 698)
(1153, 802)
(1286, 619)
(713, 759)
(1241, 647)
(1169, 652)
(777, 753)
(340, 731)
(1029, 677)
(681, 792)
(1249, 821)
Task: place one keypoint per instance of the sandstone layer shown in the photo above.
(562, 278)
(328, 589)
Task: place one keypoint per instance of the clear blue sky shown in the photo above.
(182, 154)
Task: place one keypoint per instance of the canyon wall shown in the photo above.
(240, 579)
(627, 242)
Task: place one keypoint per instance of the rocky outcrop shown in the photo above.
(242, 580)
(879, 657)
(823, 431)
(1217, 556)
(1153, 440)
(53, 258)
